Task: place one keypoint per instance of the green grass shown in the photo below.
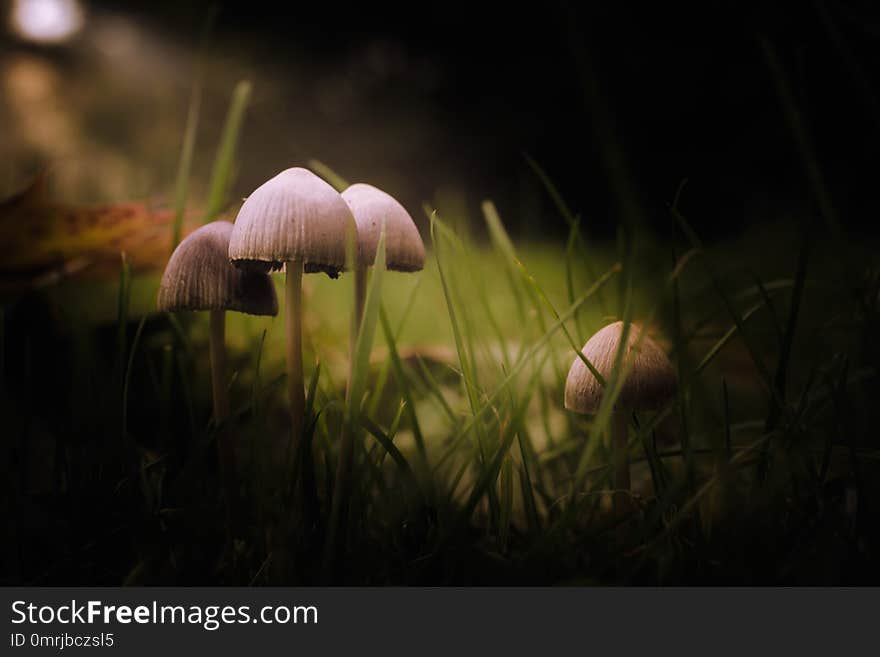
(467, 467)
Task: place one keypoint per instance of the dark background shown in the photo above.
(686, 91)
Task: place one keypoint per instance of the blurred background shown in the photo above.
(441, 103)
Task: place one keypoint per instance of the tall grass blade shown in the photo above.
(787, 344)
(785, 350)
(338, 526)
(184, 166)
(307, 461)
(126, 439)
(258, 362)
(364, 343)
(809, 157)
(224, 161)
(186, 393)
(486, 480)
(498, 237)
(573, 221)
(539, 294)
(402, 383)
(328, 174)
(386, 365)
(391, 449)
(506, 501)
(374, 456)
(166, 395)
(569, 278)
(438, 228)
(528, 494)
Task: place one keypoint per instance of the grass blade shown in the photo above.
(338, 527)
(225, 159)
(328, 174)
(506, 501)
(184, 166)
(388, 445)
(364, 342)
(571, 219)
(402, 383)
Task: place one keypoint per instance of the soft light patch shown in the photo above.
(46, 21)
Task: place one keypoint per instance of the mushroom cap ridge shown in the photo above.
(404, 249)
(199, 276)
(294, 216)
(651, 380)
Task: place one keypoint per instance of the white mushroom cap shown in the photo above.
(649, 384)
(293, 216)
(404, 249)
(199, 276)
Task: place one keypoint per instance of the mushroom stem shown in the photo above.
(360, 296)
(620, 439)
(225, 448)
(218, 365)
(295, 390)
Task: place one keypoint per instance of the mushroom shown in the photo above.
(296, 222)
(198, 276)
(373, 210)
(650, 382)
(404, 249)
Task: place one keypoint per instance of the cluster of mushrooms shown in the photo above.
(297, 223)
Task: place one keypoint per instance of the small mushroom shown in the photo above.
(198, 276)
(297, 222)
(650, 383)
(404, 249)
